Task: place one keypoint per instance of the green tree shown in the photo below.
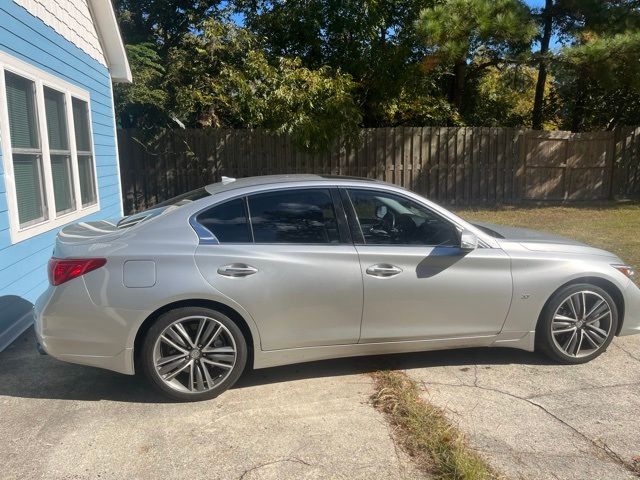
(193, 67)
(577, 23)
(457, 31)
(607, 69)
(598, 68)
(145, 100)
(162, 22)
(319, 69)
(374, 41)
(547, 26)
(222, 77)
(505, 98)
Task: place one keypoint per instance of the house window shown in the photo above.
(47, 149)
(83, 145)
(26, 152)
(59, 150)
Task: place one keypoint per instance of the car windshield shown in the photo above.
(164, 207)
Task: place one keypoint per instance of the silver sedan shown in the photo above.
(283, 269)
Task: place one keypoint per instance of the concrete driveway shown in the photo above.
(62, 421)
(531, 419)
(536, 420)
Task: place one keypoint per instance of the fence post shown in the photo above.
(519, 166)
(615, 148)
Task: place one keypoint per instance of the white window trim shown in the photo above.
(43, 79)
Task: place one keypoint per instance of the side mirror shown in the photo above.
(468, 241)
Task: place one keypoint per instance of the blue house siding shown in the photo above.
(23, 265)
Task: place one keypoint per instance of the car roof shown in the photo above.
(232, 184)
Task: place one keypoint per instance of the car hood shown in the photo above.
(516, 234)
(539, 241)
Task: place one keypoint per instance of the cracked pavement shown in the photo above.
(532, 419)
(66, 421)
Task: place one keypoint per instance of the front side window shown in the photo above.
(304, 216)
(227, 221)
(388, 219)
(48, 152)
(25, 149)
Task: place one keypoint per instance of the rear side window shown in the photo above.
(294, 216)
(228, 222)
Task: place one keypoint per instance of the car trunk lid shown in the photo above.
(82, 233)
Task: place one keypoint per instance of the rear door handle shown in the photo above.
(383, 270)
(237, 270)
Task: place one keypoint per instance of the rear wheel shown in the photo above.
(578, 323)
(193, 353)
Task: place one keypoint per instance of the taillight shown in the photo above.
(62, 270)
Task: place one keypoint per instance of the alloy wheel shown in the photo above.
(581, 324)
(194, 354)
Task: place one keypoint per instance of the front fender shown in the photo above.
(537, 275)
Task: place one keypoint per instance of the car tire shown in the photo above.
(193, 353)
(565, 314)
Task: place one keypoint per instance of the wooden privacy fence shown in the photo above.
(470, 165)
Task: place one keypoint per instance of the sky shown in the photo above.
(535, 3)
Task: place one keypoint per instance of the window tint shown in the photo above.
(228, 222)
(387, 219)
(294, 216)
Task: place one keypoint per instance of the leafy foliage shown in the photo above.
(607, 69)
(226, 80)
(373, 41)
(458, 31)
(321, 69)
(464, 29)
(161, 22)
(505, 98)
(144, 100)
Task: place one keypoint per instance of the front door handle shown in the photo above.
(383, 270)
(237, 270)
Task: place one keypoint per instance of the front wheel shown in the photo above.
(578, 324)
(193, 353)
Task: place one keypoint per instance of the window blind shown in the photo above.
(27, 159)
(27, 174)
(87, 185)
(85, 158)
(81, 125)
(56, 120)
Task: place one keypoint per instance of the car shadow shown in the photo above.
(26, 374)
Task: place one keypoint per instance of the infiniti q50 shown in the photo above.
(277, 270)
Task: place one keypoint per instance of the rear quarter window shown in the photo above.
(227, 222)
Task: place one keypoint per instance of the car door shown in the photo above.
(418, 283)
(287, 258)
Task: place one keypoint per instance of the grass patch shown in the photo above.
(613, 227)
(437, 446)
